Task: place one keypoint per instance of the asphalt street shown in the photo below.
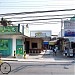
(41, 68)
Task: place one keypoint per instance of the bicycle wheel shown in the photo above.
(5, 68)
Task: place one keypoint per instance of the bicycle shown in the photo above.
(5, 67)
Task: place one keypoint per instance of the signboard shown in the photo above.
(69, 28)
(26, 32)
(39, 34)
(24, 29)
(69, 24)
(8, 29)
(69, 32)
(19, 49)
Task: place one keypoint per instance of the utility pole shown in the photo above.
(61, 26)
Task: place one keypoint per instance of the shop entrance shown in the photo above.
(27, 46)
(73, 45)
(46, 45)
(19, 48)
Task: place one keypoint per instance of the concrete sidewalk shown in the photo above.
(37, 60)
(41, 59)
(44, 56)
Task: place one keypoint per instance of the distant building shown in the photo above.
(39, 40)
(69, 32)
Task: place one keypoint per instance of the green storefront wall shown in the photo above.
(5, 47)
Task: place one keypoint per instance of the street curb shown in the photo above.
(5, 59)
(38, 60)
(9, 60)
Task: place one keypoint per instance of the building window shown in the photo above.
(34, 45)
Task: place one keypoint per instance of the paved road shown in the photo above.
(41, 68)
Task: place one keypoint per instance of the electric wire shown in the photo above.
(21, 17)
(40, 19)
(34, 12)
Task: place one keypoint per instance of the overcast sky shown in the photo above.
(15, 6)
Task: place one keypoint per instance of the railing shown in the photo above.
(35, 50)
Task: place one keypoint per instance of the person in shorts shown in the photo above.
(66, 52)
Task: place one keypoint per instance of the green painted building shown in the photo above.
(12, 39)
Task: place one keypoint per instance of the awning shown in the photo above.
(53, 42)
(45, 43)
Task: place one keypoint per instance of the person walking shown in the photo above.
(65, 51)
(55, 51)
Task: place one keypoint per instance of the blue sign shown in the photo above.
(69, 33)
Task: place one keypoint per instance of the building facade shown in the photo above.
(42, 37)
(69, 32)
(12, 40)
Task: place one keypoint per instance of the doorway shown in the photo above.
(27, 46)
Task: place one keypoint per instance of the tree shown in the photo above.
(4, 22)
